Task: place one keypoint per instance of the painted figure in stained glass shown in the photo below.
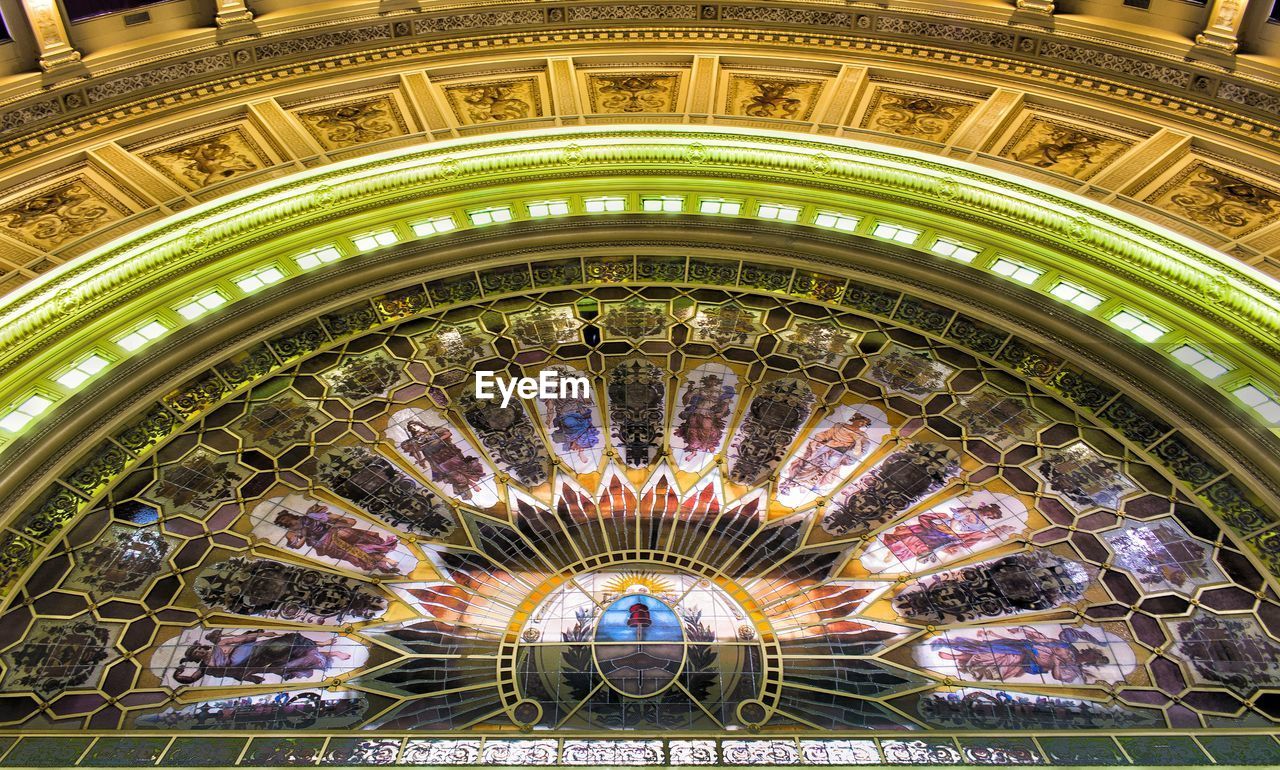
(841, 440)
(274, 711)
(435, 446)
(574, 424)
(252, 656)
(952, 530)
(338, 537)
(1026, 653)
(704, 414)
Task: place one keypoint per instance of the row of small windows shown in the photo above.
(1081, 297)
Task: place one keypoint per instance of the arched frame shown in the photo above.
(52, 471)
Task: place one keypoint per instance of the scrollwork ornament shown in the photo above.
(948, 189)
(450, 168)
(573, 155)
(820, 165)
(696, 153)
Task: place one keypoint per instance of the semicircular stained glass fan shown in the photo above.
(762, 514)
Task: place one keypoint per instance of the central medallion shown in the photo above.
(639, 646)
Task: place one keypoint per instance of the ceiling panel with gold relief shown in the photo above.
(918, 114)
(61, 211)
(1220, 198)
(1047, 142)
(495, 99)
(195, 162)
(353, 120)
(633, 91)
(780, 96)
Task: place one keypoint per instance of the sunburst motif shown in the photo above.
(644, 582)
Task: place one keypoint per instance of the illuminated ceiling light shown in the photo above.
(318, 257)
(143, 334)
(81, 372)
(1138, 326)
(845, 222)
(548, 209)
(372, 241)
(23, 413)
(1017, 271)
(434, 226)
(490, 215)
(1077, 296)
(1200, 361)
(666, 203)
(892, 232)
(258, 278)
(949, 248)
(719, 206)
(605, 204)
(778, 211)
(1266, 406)
(201, 304)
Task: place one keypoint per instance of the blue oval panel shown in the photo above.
(639, 645)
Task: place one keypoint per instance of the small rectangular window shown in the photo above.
(1200, 361)
(779, 212)
(892, 232)
(548, 209)
(434, 226)
(1075, 295)
(666, 203)
(1138, 326)
(603, 204)
(26, 411)
(845, 222)
(489, 216)
(263, 276)
(371, 241)
(81, 372)
(317, 257)
(1261, 402)
(719, 206)
(949, 248)
(201, 304)
(1015, 270)
(143, 334)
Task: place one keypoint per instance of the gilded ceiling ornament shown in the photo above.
(208, 160)
(911, 114)
(495, 101)
(632, 93)
(61, 213)
(780, 98)
(1220, 200)
(344, 125)
(1064, 148)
